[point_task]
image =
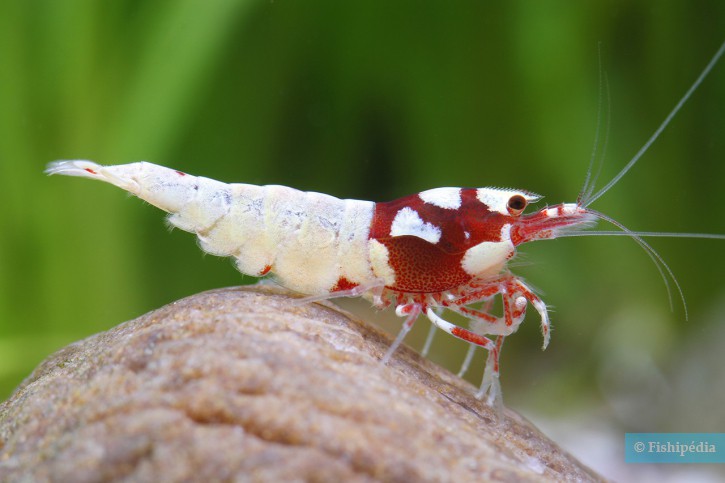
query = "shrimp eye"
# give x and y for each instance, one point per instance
(516, 205)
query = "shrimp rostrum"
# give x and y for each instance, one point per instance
(444, 250)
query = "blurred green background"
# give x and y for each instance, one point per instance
(374, 100)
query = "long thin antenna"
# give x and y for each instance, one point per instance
(713, 236)
(659, 130)
(595, 149)
(661, 265)
(586, 195)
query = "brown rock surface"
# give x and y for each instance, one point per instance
(242, 384)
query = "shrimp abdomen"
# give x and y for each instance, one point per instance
(313, 243)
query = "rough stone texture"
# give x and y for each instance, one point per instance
(244, 384)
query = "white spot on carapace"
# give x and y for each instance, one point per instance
(488, 258)
(380, 262)
(497, 199)
(408, 222)
(448, 198)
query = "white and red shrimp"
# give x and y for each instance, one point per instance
(441, 249)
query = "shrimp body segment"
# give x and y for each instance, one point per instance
(441, 249)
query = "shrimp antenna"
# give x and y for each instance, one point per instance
(596, 158)
(661, 128)
(659, 262)
(637, 236)
(642, 234)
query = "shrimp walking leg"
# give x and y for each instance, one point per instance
(472, 347)
(411, 313)
(490, 385)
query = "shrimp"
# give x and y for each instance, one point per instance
(441, 249)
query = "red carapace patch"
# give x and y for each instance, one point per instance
(265, 270)
(421, 266)
(90, 171)
(180, 173)
(461, 228)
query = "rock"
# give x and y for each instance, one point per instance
(245, 384)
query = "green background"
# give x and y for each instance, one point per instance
(376, 100)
